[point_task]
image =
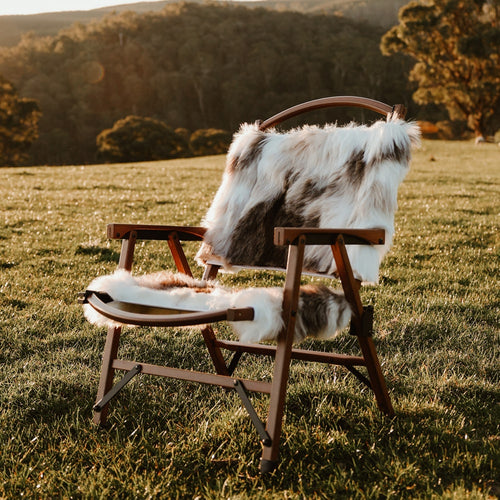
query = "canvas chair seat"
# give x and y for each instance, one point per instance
(318, 200)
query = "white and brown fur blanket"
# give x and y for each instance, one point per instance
(322, 311)
(331, 177)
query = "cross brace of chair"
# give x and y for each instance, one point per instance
(359, 376)
(117, 388)
(365, 329)
(257, 422)
(238, 386)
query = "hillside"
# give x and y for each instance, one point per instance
(382, 13)
(378, 12)
(13, 27)
(192, 66)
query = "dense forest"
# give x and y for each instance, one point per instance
(378, 12)
(192, 66)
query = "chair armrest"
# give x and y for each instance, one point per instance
(321, 236)
(154, 232)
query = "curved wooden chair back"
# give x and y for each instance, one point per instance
(333, 102)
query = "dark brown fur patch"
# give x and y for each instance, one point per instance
(251, 157)
(396, 154)
(252, 241)
(167, 280)
(356, 167)
(314, 305)
(313, 308)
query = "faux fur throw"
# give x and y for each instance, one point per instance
(322, 311)
(330, 177)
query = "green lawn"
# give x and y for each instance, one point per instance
(437, 317)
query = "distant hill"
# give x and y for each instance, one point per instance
(382, 13)
(13, 27)
(378, 12)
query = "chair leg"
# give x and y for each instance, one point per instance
(377, 379)
(214, 350)
(283, 356)
(107, 372)
(281, 372)
(351, 288)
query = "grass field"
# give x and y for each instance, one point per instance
(437, 317)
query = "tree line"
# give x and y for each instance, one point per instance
(379, 12)
(188, 75)
(191, 66)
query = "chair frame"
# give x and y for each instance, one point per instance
(283, 352)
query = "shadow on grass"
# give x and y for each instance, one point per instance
(102, 254)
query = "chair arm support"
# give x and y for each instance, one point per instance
(154, 232)
(321, 236)
(127, 314)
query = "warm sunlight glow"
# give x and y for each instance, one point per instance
(38, 6)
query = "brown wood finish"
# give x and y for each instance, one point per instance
(283, 352)
(113, 337)
(298, 354)
(350, 285)
(193, 376)
(178, 254)
(117, 312)
(154, 232)
(351, 288)
(322, 236)
(328, 102)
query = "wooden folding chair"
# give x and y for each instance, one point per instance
(296, 239)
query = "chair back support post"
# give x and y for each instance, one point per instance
(210, 272)
(181, 262)
(127, 251)
(350, 285)
(399, 110)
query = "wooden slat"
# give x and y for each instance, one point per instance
(299, 354)
(327, 236)
(155, 232)
(193, 376)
